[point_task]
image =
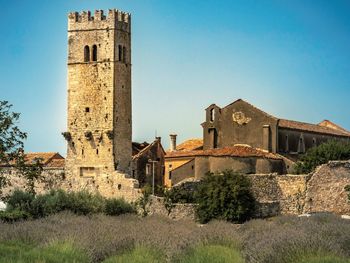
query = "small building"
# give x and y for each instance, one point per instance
(146, 159)
(245, 139)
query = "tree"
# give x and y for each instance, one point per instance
(328, 151)
(11, 149)
(225, 196)
(11, 139)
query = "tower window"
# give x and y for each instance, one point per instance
(212, 114)
(94, 53)
(120, 51)
(96, 151)
(87, 109)
(124, 54)
(86, 54)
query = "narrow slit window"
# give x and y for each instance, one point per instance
(212, 114)
(124, 54)
(94, 53)
(86, 54)
(120, 50)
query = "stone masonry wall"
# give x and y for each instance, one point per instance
(114, 185)
(325, 189)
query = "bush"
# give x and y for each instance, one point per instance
(224, 196)
(182, 194)
(50, 203)
(81, 203)
(84, 203)
(19, 200)
(329, 151)
(13, 216)
(115, 207)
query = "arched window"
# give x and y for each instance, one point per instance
(86, 54)
(94, 53)
(124, 54)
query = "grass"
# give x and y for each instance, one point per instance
(212, 254)
(15, 252)
(138, 255)
(66, 237)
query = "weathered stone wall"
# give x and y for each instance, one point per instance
(52, 178)
(279, 194)
(325, 189)
(179, 211)
(114, 185)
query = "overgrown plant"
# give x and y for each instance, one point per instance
(328, 151)
(144, 201)
(168, 201)
(226, 196)
(347, 188)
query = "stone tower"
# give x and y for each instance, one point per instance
(99, 94)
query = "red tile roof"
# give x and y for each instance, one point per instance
(234, 151)
(332, 125)
(48, 159)
(190, 145)
(302, 126)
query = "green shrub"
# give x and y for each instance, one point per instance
(84, 203)
(182, 194)
(13, 216)
(50, 203)
(115, 207)
(224, 196)
(19, 200)
(331, 150)
(138, 255)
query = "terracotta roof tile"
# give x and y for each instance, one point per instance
(190, 145)
(296, 125)
(332, 125)
(234, 151)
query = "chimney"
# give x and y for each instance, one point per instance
(266, 138)
(173, 142)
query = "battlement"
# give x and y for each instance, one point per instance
(113, 14)
(85, 19)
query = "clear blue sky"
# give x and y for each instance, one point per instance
(290, 58)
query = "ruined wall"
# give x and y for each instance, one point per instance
(52, 178)
(325, 189)
(279, 194)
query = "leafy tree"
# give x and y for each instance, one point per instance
(11, 139)
(225, 196)
(328, 151)
(11, 149)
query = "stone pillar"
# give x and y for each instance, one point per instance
(266, 138)
(173, 142)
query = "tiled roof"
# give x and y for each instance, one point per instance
(48, 159)
(332, 125)
(56, 163)
(144, 147)
(234, 151)
(137, 147)
(296, 125)
(45, 157)
(190, 145)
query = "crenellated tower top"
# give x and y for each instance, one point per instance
(115, 19)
